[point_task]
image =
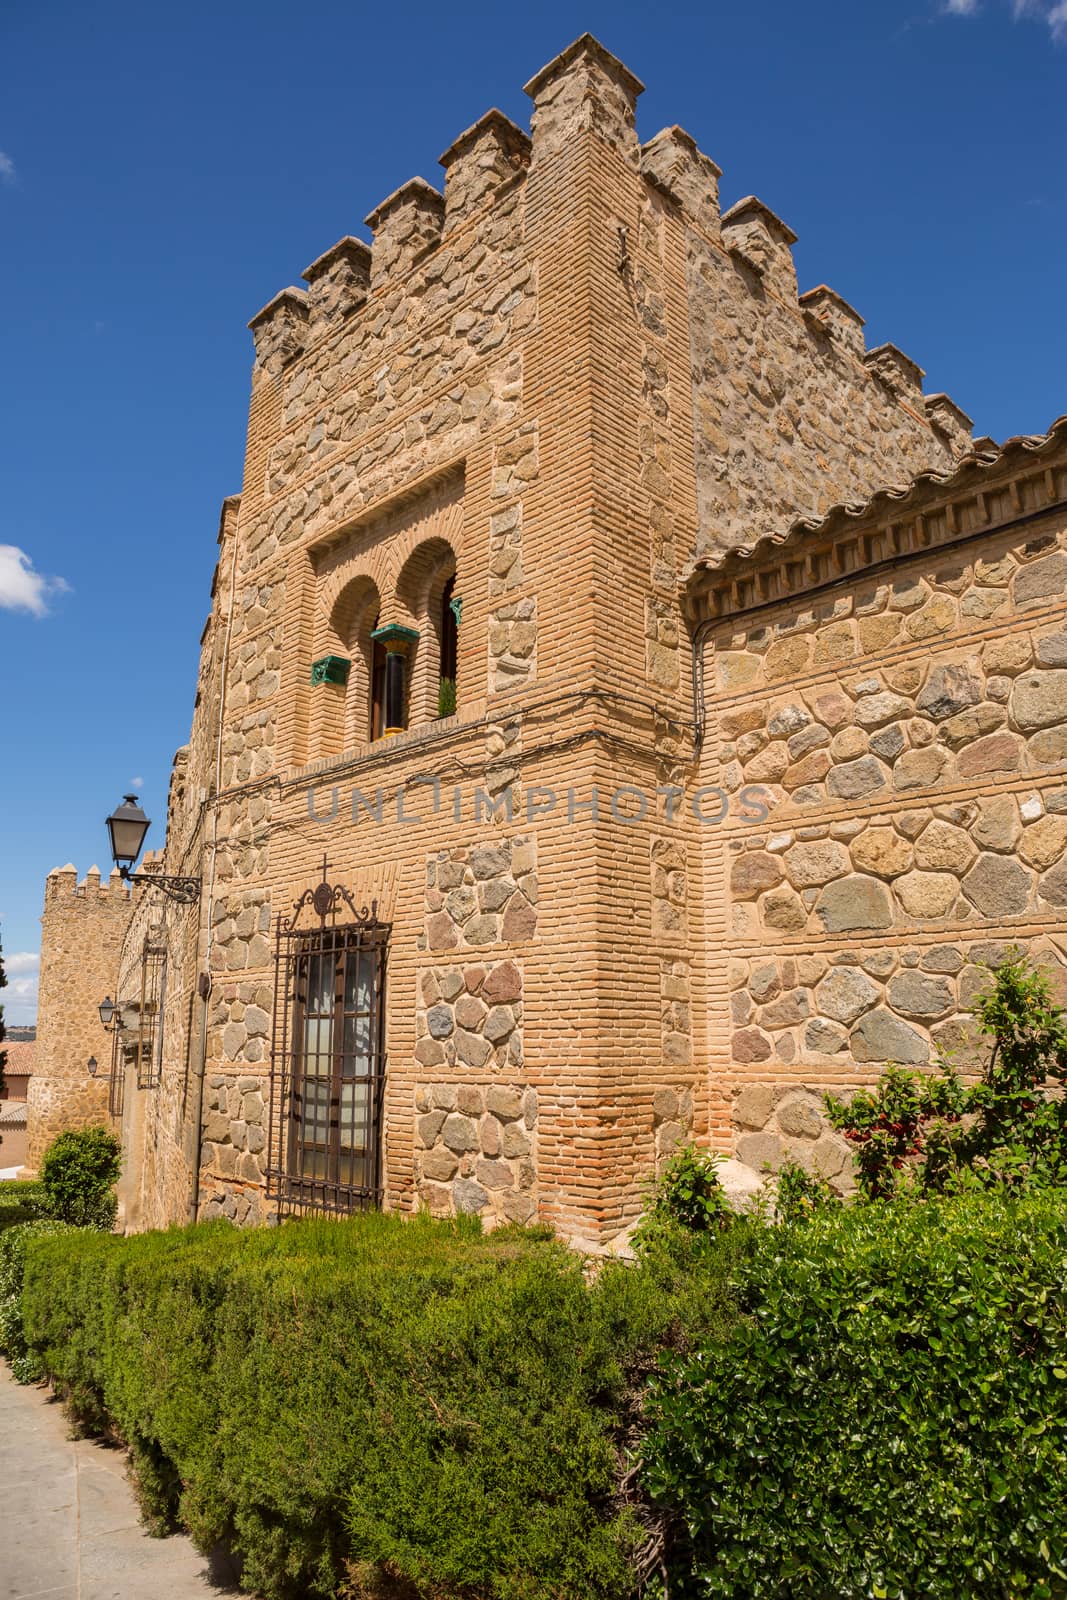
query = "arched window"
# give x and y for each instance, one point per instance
(425, 592)
(448, 635)
(377, 686)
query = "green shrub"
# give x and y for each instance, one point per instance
(379, 1401)
(79, 1171)
(798, 1194)
(21, 1200)
(686, 1198)
(891, 1419)
(25, 1365)
(929, 1129)
(894, 1126)
(21, 1191)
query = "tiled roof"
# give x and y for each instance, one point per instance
(987, 457)
(21, 1054)
(12, 1113)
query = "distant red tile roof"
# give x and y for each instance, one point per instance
(20, 1056)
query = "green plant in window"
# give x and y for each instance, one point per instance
(446, 697)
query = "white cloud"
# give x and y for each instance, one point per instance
(22, 588)
(19, 1000)
(1057, 21)
(1051, 12)
(7, 169)
(136, 783)
(21, 961)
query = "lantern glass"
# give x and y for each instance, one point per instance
(107, 1009)
(127, 826)
(91, 1064)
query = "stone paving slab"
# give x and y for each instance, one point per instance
(69, 1526)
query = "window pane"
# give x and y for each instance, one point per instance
(355, 1116)
(334, 1139)
(357, 1047)
(358, 977)
(315, 1111)
(318, 1042)
(320, 987)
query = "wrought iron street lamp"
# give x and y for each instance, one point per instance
(127, 826)
(107, 1009)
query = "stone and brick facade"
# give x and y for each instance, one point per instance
(759, 745)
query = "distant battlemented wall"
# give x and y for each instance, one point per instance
(82, 930)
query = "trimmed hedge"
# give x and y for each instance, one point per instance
(405, 1406)
(21, 1200)
(26, 1366)
(891, 1421)
(868, 1402)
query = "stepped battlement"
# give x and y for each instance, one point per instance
(583, 89)
(62, 883)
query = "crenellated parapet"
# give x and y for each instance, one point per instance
(338, 283)
(759, 238)
(407, 223)
(674, 163)
(490, 152)
(763, 356)
(584, 88)
(831, 314)
(82, 929)
(62, 884)
(280, 331)
(898, 372)
(952, 422)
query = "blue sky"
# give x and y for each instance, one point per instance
(165, 169)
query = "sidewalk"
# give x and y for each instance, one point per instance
(69, 1528)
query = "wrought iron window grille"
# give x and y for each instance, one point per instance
(327, 1055)
(116, 1089)
(150, 1016)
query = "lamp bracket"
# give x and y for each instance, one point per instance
(186, 891)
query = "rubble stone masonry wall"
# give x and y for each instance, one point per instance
(908, 732)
